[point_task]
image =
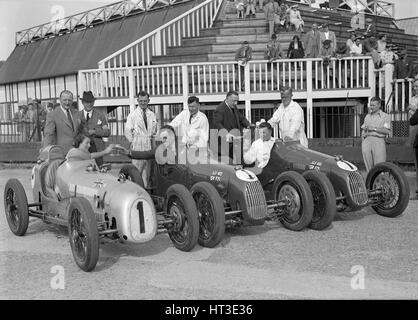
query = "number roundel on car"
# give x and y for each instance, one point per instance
(245, 175)
(345, 165)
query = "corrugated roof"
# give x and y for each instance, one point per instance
(75, 51)
(409, 24)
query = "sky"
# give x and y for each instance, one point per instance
(16, 15)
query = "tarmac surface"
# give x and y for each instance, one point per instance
(361, 256)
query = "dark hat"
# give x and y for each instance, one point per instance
(325, 25)
(88, 96)
(326, 41)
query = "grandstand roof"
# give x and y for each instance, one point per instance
(409, 24)
(69, 53)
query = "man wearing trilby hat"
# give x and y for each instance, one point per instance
(94, 123)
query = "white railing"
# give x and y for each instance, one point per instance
(156, 43)
(89, 18)
(219, 77)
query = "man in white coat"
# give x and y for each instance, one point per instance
(140, 127)
(289, 117)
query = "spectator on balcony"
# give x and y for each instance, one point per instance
(261, 4)
(282, 18)
(326, 53)
(413, 127)
(239, 4)
(370, 48)
(326, 34)
(271, 9)
(352, 39)
(95, 124)
(140, 127)
(250, 5)
(312, 42)
(295, 18)
(242, 56)
(376, 127)
(403, 66)
(192, 125)
(289, 117)
(295, 50)
(356, 49)
(381, 43)
(273, 51)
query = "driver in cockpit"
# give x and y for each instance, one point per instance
(260, 149)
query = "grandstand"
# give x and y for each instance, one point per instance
(172, 49)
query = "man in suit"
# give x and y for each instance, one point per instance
(227, 116)
(328, 35)
(62, 123)
(95, 124)
(312, 42)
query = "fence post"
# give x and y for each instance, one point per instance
(309, 99)
(131, 84)
(372, 78)
(185, 85)
(247, 91)
(388, 87)
(157, 41)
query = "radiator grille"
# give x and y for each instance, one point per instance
(358, 188)
(256, 200)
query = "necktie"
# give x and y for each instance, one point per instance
(70, 119)
(88, 116)
(144, 116)
(190, 120)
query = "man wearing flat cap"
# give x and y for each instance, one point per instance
(326, 34)
(312, 42)
(94, 124)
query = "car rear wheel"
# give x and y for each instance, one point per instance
(83, 234)
(211, 213)
(323, 194)
(180, 206)
(394, 185)
(16, 207)
(291, 188)
(132, 173)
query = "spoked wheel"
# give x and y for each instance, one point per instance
(181, 207)
(211, 212)
(392, 182)
(323, 194)
(132, 173)
(291, 188)
(83, 234)
(16, 207)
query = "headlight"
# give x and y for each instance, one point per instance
(140, 219)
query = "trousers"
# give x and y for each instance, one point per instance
(374, 151)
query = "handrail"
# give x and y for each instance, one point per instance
(190, 23)
(89, 18)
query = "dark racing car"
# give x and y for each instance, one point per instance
(336, 184)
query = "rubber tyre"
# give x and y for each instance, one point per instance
(202, 192)
(81, 217)
(323, 194)
(14, 189)
(180, 203)
(294, 183)
(132, 173)
(401, 183)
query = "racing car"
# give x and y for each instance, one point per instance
(95, 204)
(336, 184)
(228, 195)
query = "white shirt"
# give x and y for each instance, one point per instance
(259, 152)
(291, 123)
(194, 133)
(356, 49)
(135, 130)
(90, 113)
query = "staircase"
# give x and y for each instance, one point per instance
(221, 41)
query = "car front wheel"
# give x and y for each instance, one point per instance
(16, 207)
(392, 182)
(323, 194)
(180, 207)
(292, 189)
(83, 233)
(211, 212)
